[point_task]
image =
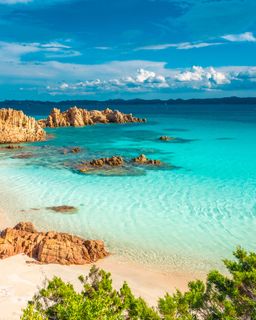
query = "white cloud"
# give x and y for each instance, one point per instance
(115, 76)
(14, 51)
(14, 1)
(180, 46)
(189, 45)
(103, 48)
(37, 2)
(247, 36)
(196, 78)
(199, 77)
(242, 37)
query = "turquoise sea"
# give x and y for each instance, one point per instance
(185, 216)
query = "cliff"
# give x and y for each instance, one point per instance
(16, 127)
(76, 117)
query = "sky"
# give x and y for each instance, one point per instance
(107, 49)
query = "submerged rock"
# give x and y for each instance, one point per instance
(12, 147)
(166, 138)
(76, 150)
(142, 159)
(27, 155)
(63, 209)
(71, 150)
(78, 117)
(49, 247)
(16, 127)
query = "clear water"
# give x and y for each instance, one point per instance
(188, 216)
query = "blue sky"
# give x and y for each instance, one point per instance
(101, 49)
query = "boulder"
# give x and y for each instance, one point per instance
(16, 127)
(49, 247)
(102, 163)
(76, 150)
(143, 160)
(166, 138)
(78, 117)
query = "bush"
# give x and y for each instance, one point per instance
(220, 298)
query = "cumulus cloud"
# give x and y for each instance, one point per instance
(33, 65)
(142, 81)
(196, 78)
(199, 77)
(246, 36)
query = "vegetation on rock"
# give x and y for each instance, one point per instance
(221, 297)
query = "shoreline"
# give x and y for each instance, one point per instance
(20, 280)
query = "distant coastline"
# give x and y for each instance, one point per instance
(30, 106)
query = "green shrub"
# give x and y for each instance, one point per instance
(219, 298)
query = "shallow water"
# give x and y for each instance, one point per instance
(188, 216)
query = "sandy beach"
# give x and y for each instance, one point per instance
(20, 280)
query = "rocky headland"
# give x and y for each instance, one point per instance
(16, 127)
(78, 117)
(49, 247)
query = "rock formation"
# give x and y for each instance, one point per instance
(76, 150)
(49, 247)
(166, 138)
(102, 163)
(12, 147)
(16, 127)
(77, 117)
(63, 209)
(142, 159)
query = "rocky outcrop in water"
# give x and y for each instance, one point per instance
(16, 127)
(12, 147)
(142, 159)
(49, 247)
(102, 163)
(166, 138)
(77, 117)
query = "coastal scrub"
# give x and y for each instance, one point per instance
(221, 297)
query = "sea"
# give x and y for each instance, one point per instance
(188, 214)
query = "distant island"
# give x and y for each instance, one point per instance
(29, 106)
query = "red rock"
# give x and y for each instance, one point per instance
(49, 247)
(142, 159)
(16, 127)
(102, 163)
(78, 117)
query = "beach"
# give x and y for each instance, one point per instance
(20, 280)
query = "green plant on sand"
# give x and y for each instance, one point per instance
(221, 297)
